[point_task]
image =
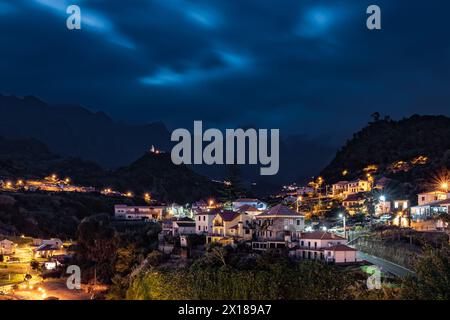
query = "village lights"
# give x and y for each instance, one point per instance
(444, 186)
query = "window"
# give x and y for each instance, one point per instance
(199, 229)
(199, 218)
(298, 222)
(204, 218)
(302, 243)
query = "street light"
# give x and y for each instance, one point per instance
(383, 200)
(342, 216)
(299, 198)
(444, 186)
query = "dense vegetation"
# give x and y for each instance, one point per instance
(222, 274)
(50, 215)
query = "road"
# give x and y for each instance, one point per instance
(386, 266)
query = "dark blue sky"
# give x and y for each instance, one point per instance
(307, 67)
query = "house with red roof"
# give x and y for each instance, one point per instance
(277, 227)
(229, 227)
(324, 246)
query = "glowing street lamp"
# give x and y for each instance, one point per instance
(342, 216)
(444, 186)
(299, 198)
(383, 200)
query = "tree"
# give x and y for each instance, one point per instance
(432, 279)
(375, 116)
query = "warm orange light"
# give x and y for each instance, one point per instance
(444, 185)
(345, 172)
(129, 194)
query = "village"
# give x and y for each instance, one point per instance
(320, 222)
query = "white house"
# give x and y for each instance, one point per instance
(6, 247)
(125, 212)
(430, 204)
(251, 202)
(183, 226)
(204, 221)
(324, 246)
(428, 197)
(345, 188)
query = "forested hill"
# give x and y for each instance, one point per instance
(410, 149)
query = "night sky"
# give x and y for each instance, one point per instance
(307, 67)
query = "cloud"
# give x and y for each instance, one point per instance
(90, 20)
(228, 63)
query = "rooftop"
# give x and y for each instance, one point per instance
(340, 247)
(246, 200)
(320, 235)
(279, 211)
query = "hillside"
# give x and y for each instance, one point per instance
(73, 131)
(413, 150)
(153, 173)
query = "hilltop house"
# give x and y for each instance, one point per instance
(125, 212)
(250, 202)
(345, 188)
(354, 203)
(324, 246)
(431, 204)
(277, 226)
(229, 227)
(7, 247)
